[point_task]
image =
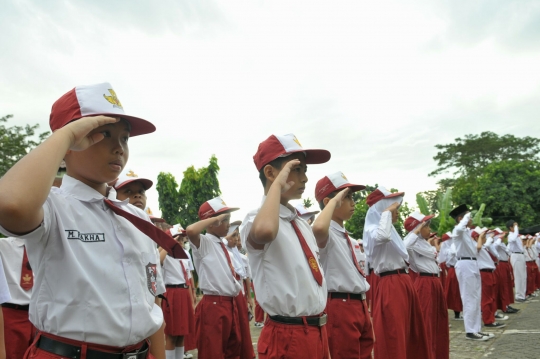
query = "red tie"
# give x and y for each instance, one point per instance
(27, 277)
(354, 256)
(235, 275)
(312, 262)
(185, 272)
(157, 235)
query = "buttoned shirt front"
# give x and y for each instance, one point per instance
(484, 260)
(339, 269)
(236, 260)
(95, 274)
(215, 276)
(172, 270)
(465, 244)
(422, 255)
(282, 277)
(12, 251)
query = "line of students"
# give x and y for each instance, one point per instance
(97, 278)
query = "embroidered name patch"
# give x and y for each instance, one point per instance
(85, 237)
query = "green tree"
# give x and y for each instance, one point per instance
(16, 142)
(469, 156)
(197, 187)
(169, 201)
(307, 202)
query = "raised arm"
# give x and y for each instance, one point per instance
(25, 187)
(321, 226)
(462, 225)
(266, 223)
(513, 236)
(194, 230)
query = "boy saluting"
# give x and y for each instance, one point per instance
(94, 262)
(283, 254)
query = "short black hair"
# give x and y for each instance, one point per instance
(462, 214)
(510, 224)
(277, 163)
(331, 195)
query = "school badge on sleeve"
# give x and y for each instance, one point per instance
(151, 278)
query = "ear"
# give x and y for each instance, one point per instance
(270, 173)
(325, 201)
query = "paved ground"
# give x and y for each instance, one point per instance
(520, 339)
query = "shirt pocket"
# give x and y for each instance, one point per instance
(151, 276)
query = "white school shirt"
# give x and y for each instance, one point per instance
(528, 255)
(236, 260)
(247, 267)
(336, 258)
(95, 274)
(422, 255)
(465, 245)
(172, 270)
(504, 253)
(514, 242)
(282, 277)
(215, 277)
(484, 259)
(385, 255)
(534, 252)
(11, 252)
(4, 290)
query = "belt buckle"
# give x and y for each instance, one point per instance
(363, 296)
(130, 355)
(322, 320)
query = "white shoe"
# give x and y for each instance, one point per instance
(476, 336)
(488, 335)
(259, 325)
(188, 356)
(499, 316)
(460, 318)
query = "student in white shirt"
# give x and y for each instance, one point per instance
(447, 255)
(397, 318)
(504, 274)
(423, 259)
(517, 260)
(350, 331)
(220, 329)
(130, 186)
(4, 298)
(283, 254)
(96, 275)
(177, 305)
(19, 331)
(468, 274)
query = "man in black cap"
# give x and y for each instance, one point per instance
(517, 259)
(467, 272)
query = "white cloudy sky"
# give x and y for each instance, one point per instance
(376, 83)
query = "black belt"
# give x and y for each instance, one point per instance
(487, 270)
(16, 306)
(517, 252)
(356, 296)
(185, 286)
(74, 352)
(504, 261)
(422, 274)
(313, 321)
(397, 271)
(466, 258)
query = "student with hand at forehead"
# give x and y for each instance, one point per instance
(94, 260)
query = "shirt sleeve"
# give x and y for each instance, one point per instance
(513, 236)
(462, 225)
(413, 243)
(5, 296)
(44, 228)
(383, 232)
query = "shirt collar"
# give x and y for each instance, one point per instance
(285, 212)
(337, 227)
(85, 193)
(19, 242)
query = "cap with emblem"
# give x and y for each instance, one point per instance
(94, 100)
(304, 212)
(381, 193)
(282, 146)
(214, 207)
(415, 219)
(128, 176)
(334, 182)
(177, 230)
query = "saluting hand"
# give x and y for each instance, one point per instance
(80, 134)
(341, 196)
(393, 207)
(220, 219)
(283, 175)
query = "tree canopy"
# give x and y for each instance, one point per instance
(470, 155)
(16, 142)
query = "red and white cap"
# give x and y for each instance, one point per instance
(128, 176)
(93, 100)
(213, 207)
(304, 212)
(334, 182)
(283, 146)
(477, 231)
(177, 230)
(381, 193)
(498, 231)
(415, 219)
(153, 218)
(446, 236)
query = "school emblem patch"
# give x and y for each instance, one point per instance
(113, 99)
(151, 278)
(313, 264)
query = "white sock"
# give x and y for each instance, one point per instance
(170, 354)
(179, 353)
